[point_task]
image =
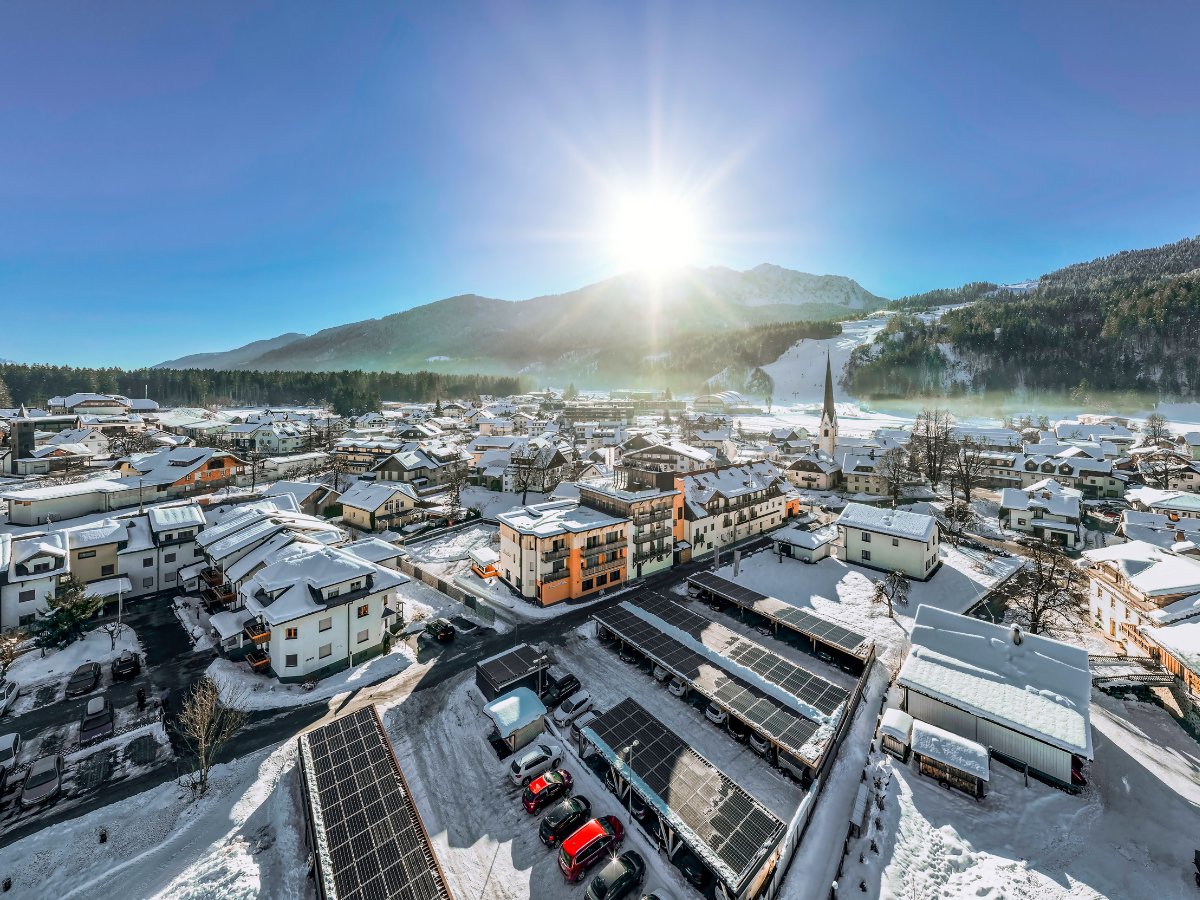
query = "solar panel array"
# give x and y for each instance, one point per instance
(508, 667)
(814, 690)
(794, 617)
(736, 827)
(374, 844)
(755, 707)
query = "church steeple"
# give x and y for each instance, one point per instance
(829, 428)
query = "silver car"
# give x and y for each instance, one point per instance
(43, 781)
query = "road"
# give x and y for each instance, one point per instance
(172, 664)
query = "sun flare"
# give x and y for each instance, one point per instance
(654, 232)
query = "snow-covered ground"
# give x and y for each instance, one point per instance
(492, 503)
(799, 374)
(190, 612)
(1131, 833)
(242, 840)
(245, 689)
(32, 668)
(844, 592)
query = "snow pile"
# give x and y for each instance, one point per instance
(96, 646)
(194, 618)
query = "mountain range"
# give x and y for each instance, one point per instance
(573, 335)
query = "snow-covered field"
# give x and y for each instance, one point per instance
(1130, 834)
(844, 592)
(243, 840)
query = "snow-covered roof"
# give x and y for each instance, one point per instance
(1151, 570)
(1046, 500)
(515, 710)
(1039, 687)
(108, 587)
(169, 518)
(62, 491)
(947, 747)
(1182, 639)
(806, 540)
(557, 517)
(894, 522)
(228, 623)
(897, 723)
(370, 495)
(374, 549)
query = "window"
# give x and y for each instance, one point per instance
(147, 562)
(147, 582)
(896, 543)
(41, 567)
(866, 536)
(587, 584)
(866, 554)
(325, 650)
(292, 633)
(355, 585)
(170, 577)
(364, 611)
(26, 596)
(86, 554)
(289, 661)
(27, 619)
(601, 579)
(364, 636)
(107, 570)
(169, 558)
(325, 624)
(197, 552)
(333, 592)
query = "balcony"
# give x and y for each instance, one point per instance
(658, 515)
(259, 660)
(597, 569)
(213, 577)
(551, 555)
(257, 632)
(559, 575)
(653, 534)
(652, 553)
(218, 596)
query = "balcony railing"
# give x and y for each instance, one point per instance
(557, 575)
(658, 515)
(258, 660)
(219, 595)
(213, 577)
(653, 534)
(617, 563)
(257, 632)
(552, 555)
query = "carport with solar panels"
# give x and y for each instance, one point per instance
(366, 837)
(850, 649)
(793, 726)
(696, 805)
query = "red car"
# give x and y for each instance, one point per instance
(546, 789)
(593, 842)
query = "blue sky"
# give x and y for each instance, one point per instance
(177, 177)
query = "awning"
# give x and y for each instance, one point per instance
(187, 573)
(227, 624)
(108, 587)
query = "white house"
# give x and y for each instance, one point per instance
(1046, 510)
(1025, 697)
(892, 540)
(726, 505)
(30, 569)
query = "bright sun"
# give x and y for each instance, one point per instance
(653, 232)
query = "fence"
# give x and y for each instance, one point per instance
(481, 610)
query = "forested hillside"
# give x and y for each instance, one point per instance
(1126, 322)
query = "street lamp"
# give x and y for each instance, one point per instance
(629, 752)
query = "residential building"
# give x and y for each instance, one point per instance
(1159, 529)
(814, 472)
(1174, 505)
(727, 505)
(655, 518)
(669, 456)
(891, 540)
(562, 550)
(268, 437)
(1046, 510)
(422, 466)
(379, 505)
(31, 569)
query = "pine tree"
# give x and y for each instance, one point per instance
(66, 616)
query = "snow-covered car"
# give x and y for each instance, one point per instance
(571, 708)
(661, 674)
(715, 714)
(759, 744)
(677, 687)
(583, 722)
(8, 695)
(97, 722)
(10, 749)
(43, 781)
(534, 760)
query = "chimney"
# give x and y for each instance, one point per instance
(1016, 634)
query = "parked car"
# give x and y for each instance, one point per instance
(588, 845)
(660, 674)
(43, 781)
(738, 730)
(84, 680)
(715, 714)
(659, 894)
(97, 722)
(563, 819)
(759, 744)
(127, 665)
(545, 789)
(629, 655)
(619, 878)
(8, 695)
(533, 761)
(10, 749)
(677, 687)
(440, 629)
(571, 708)
(583, 722)
(693, 870)
(637, 806)
(559, 689)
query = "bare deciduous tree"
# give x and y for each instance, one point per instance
(959, 517)
(892, 590)
(206, 724)
(896, 469)
(966, 461)
(129, 442)
(10, 643)
(931, 443)
(457, 475)
(1045, 590)
(1156, 431)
